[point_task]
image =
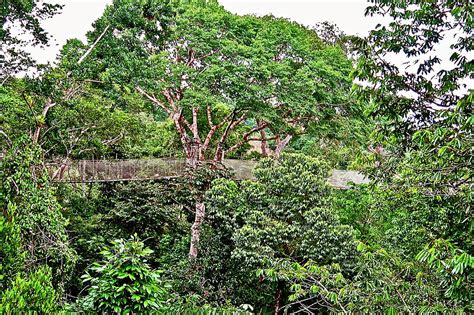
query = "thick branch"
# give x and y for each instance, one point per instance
(170, 99)
(246, 137)
(176, 110)
(209, 117)
(219, 155)
(264, 144)
(40, 126)
(282, 144)
(153, 99)
(194, 126)
(213, 129)
(230, 127)
(182, 133)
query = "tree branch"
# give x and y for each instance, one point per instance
(93, 45)
(282, 144)
(177, 118)
(262, 139)
(194, 125)
(153, 99)
(40, 126)
(246, 137)
(9, 142)
(209, 117)
(213, 129)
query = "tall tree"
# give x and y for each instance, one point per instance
(216, 74)
(425, 114)
(224, 80)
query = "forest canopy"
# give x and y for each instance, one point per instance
(191, 81)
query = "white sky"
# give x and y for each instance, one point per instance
(78, 15)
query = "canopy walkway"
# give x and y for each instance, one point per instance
(93, 171)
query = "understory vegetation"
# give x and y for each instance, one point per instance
(189, 80)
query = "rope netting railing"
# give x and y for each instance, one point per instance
(83, 171)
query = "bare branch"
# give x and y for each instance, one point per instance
(194, 126)
(262, 139)
(153, 99)
(177, 118)
(93, 45)
(282, 144)
(9, 142)
(209, 117)
(213, 129)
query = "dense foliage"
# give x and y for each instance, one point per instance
(123, 282)
(283, 215)
(188, 79)
(423, 141)
(35, 294)
(32, 214)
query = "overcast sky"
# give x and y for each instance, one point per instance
(78, 15)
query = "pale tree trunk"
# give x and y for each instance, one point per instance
(193, 148)
(193, 161)
(194, 155)
(196, 227)
(263, 144)
(200, 207)
(281, 144)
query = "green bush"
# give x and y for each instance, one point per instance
(453, 266)
(123, 281)
(32, 295)
(11, 254)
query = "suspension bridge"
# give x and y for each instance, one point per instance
(96, 171)
(86, 171)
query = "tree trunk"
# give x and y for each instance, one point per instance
(263, 144)
(278, 298)
(219, 156)
(193, 155)
(193, 162)
(281, 145)
(40, 125)
(196, 227)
